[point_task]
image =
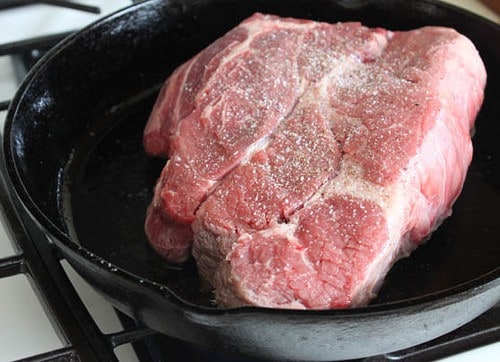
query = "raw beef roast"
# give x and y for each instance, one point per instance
(305, 158)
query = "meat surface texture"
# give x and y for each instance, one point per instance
(305, 158)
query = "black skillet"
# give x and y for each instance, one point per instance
(73, 152)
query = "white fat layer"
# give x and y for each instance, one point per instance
(260, 145)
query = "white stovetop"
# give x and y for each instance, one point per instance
(24, 328)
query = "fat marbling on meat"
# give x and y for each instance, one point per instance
(305, 158)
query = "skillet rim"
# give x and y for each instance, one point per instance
(441, 297)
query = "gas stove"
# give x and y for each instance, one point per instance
(47, 312)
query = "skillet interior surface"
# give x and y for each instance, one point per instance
(74, 153)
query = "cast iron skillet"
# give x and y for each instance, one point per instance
(73, 151)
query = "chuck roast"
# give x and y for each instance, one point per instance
(305, 158)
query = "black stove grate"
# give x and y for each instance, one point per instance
(32, 49)
(82, 340)
(39, 261)
(9, 4)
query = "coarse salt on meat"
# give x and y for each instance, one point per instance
(305, 158)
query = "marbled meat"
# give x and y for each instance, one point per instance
(305, 158)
